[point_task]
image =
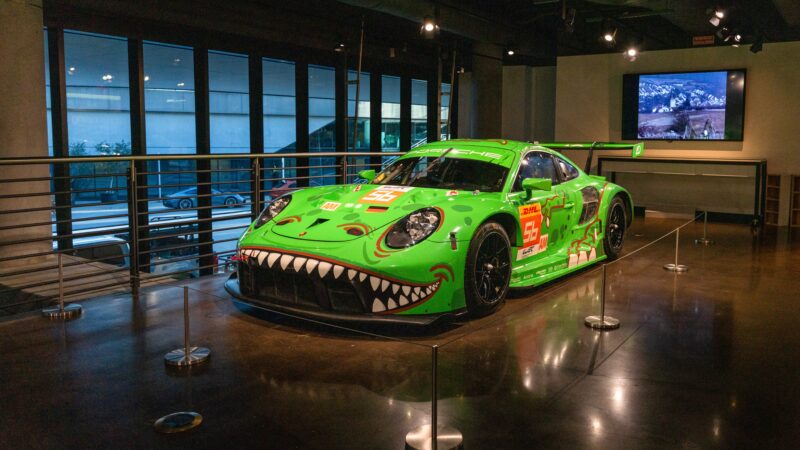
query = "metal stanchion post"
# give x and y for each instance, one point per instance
(188, 355)
(680, 268)
(704, 240)
(434, 436)
(602, 322)
(61, 311)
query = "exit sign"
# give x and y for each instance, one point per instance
(703, 40)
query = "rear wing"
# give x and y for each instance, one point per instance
(636, 149)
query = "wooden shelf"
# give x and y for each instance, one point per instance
(773, 197)
(794, 207)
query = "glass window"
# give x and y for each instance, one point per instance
(419, 112)
(535, 165)
(390, 113)
(362, 134)
(169, 99)
(444, 133)
(98, 124)
(322, 122)
(444, 173)
(362, 122)
(170, 129)
(47, 95)
(280, 123)
(229, 103)
(229, 107)
(565, 169)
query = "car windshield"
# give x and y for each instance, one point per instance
(447, 173)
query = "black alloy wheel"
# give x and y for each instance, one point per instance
(616, 224)
(488, 269)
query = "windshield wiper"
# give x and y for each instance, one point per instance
(430, 166)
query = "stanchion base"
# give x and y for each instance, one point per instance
(177, 357)
(447, 438)
(177, 422)
(703, 241)
(602, 323)
(69, 312)
(680, 268)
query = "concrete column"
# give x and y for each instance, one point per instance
(529, 95)
(481, 95)
(23, 124)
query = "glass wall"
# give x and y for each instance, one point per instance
(280, 125)
(444, 133)
(47, 96)
(322, 122)
(98, 124)
(229, 108)
(361, 123)
(170, 129)
(390, 116)
(419, 112)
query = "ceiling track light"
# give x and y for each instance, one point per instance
(429, 28)
(715, 16)
(608, 35)
(631, 54)
(511, 50)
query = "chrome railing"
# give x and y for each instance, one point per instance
(121, 222)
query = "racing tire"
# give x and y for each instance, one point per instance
(230, 202)
(185, 204)
(488, 269)
(616, 225)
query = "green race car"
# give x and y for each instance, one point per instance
(446, 229)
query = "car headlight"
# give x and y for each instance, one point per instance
(413, 228)
(273, 209)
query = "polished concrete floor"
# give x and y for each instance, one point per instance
(706, 359)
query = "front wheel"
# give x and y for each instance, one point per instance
(616, 223)
(230, 202)
(488, 269)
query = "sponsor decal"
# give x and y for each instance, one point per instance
(530, 220)
(330, 206)
(358, 187)
(534, 249)
(452, 193)
(385, 195)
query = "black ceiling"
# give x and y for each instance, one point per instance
(535, 28)
(538, 30)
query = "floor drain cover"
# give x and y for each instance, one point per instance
(177, 422)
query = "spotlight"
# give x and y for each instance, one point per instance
(609, 36)
(716, 16)
(108, 78)
(429, 28)
(147, 78)
(631, 54)
(339, 47)
(510, 51)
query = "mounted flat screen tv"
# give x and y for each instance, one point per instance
(687, 106)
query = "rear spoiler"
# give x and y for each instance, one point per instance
(636, 149)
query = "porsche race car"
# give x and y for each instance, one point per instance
(446, 229)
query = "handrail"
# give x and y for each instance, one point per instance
(187, 157)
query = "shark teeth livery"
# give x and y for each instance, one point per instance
(387, 295)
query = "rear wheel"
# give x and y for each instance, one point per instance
(488, 269)
(230, 202)
(616, 223)
(185, 204)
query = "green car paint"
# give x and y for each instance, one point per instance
(338, 233)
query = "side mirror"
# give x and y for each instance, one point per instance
(368, 175)
(537, 184)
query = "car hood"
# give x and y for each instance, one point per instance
(348, 212)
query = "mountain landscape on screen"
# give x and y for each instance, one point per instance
(682, 106)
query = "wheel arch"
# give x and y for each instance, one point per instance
(508, 222)
(626, 198)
